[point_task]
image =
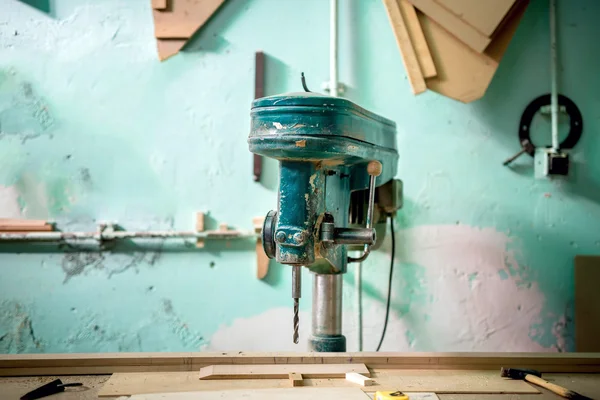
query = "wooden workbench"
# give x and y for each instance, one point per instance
(21, 373)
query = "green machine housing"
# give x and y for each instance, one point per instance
(336, 188)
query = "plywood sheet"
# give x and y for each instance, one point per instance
(126, 384)
(587, 303)
(462, 73)
(417, 38)
(485, 16)
(453, 24)
(263, 394)
(409, 56)
(281, 371)
(182, 18)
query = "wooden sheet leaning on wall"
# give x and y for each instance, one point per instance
(462, 73)
(587, 303)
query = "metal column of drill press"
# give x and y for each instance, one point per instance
(336, 188)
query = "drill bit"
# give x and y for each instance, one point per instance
(296, 294)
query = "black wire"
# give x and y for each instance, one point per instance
(389, 293)
(304, 83)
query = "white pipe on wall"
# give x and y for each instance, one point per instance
(554, 76)
(333, 57)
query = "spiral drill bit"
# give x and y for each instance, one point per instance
(296, 294)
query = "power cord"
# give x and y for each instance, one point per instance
(389, 293)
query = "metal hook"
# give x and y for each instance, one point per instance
(304, 83)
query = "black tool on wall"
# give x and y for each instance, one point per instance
(558, 164)
(56, 386)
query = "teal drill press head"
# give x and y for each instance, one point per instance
(330, 150)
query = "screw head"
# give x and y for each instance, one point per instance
(299, 237)
(280, 237)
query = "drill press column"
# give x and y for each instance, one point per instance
(327, 314)
(329, 197)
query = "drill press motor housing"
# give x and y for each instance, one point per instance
(336, 190)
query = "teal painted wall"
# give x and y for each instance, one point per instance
(93, 128)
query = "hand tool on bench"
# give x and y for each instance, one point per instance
(56, 386)
(337, 189)
(535, 377)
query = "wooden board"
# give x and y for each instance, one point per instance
(405, 380)
(24, 225)
(453, 24)
(409, 56)
(263, 394)
(417, 38)
(183, 18)
(464, 74)
(295, 379)
(485, 16)
(267, 371)
(108, 363)
(587, 303)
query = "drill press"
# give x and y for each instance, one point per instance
(336, 190)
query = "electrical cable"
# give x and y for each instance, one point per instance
(389, 293)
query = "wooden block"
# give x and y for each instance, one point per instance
(262, 394)
(453, 24)
(409, 57)
(417, 38)
(26, 222)
(587, 303)
(26, 228)
(463, 74)
(359, 379)
(24, 225)
(296, 379)
(200, 228)
(274, 371)
(183, 18)
(159, 4)
(485, 16)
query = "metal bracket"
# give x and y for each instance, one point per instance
(326, 86)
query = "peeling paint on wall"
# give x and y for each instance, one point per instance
(80, 263)
(22, 112)
(17, 334)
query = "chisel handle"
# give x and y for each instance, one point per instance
(559, 390)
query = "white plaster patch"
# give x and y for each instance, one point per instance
(268, 331)
(472, 296)
(9, 202)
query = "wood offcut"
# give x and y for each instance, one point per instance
(281, 371)
(176, 21)
(296, 379)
